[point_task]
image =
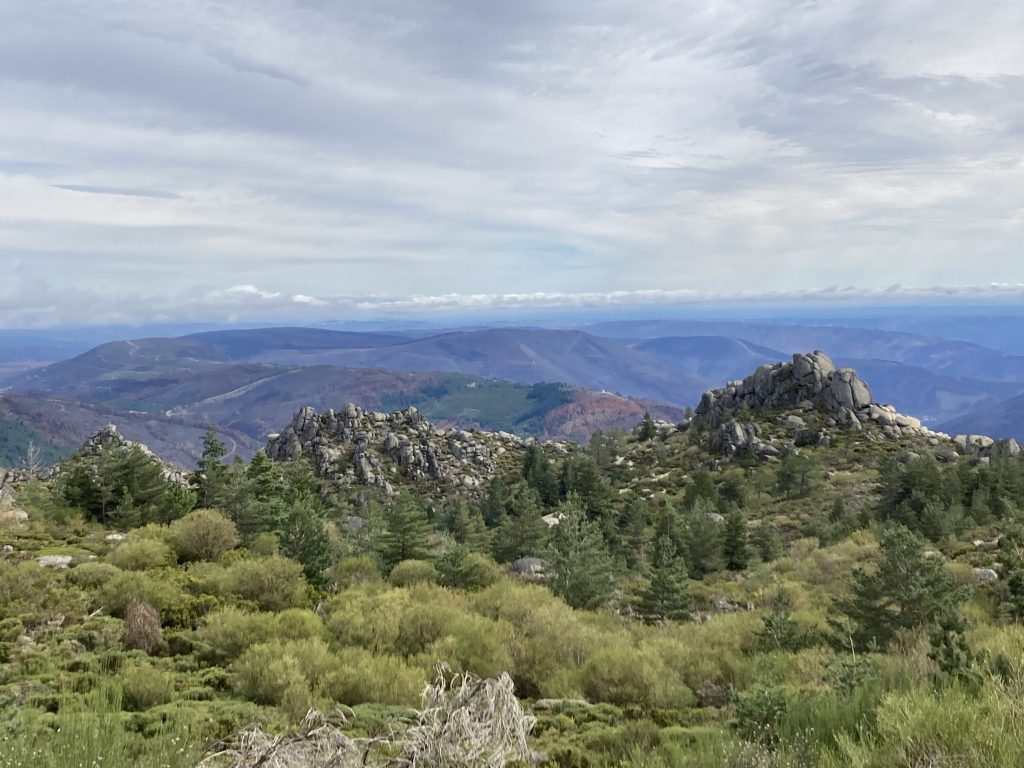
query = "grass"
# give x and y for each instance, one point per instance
(92, 732)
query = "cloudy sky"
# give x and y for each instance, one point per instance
(191, 159)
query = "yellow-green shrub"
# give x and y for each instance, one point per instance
(203, 534)
(230, 631)
(274, 583)
(141, 555)
(409, 572)
(144, 687)
(363, 678)
(624, 675)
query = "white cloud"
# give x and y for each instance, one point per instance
(450, 148)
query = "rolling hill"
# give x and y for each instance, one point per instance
(253, 379)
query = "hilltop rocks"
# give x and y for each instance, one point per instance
(353, 446)
(810, 381)
(109, 437)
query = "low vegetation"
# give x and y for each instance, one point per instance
(855, 605)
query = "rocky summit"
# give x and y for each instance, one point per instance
(812, 383)
(109, 438)
(353, 446)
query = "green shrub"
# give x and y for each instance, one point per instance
(92, 575)
(474, 644)
(352, 571)
(230, 631)
(624, 675)
(140, 587)
(203, 534)
(264, 544)
(141, 555)
(263, 675)
(274, 583)
(368, 617)
(362, 678)
(461, 568)
(144, 687)
(409, 572)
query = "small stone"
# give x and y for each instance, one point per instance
(55, 561)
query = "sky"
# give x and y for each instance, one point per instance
(192, 160)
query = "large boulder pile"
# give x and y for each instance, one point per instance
(811, 382)
(353, 446)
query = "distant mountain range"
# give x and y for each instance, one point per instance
(253, 380)
(165, 384)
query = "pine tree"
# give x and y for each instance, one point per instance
(580, 561)
(734, 542)
(211, 477)
(523, 531)
(906, 591)
(495, 504)
(648, 430)
(767, 542)
(406, 533)
(633, 533)
(703, 541)
(304, 539)
(951, 652)
(467, 527)
(667, 597)
(538, 474)
(581, 476)
(779, 632)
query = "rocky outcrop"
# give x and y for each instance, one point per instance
(809, 382)
(812, 383)
(109, 437)
(357, 447)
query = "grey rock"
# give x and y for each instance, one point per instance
(529, 569)
(354, 446)
(985, 576)
(55, 561)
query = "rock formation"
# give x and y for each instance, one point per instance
(812, 383)
(109, 437)
(353, 446)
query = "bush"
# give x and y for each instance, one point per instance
(270, 673)
(204, 534)
(367, 617)
(274, 583)
(145, 687)
(460, 568)
(550, 642)
(409, 572)
(142, 628)
(141, 555)
(362, 678)
(230, 631)
(134, 587)
(625, 675)
(352, 571)
(93, 575)
(264, 544)
(263, 675)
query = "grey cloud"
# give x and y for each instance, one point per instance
(119, 191)
(455, 148)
